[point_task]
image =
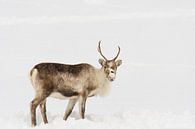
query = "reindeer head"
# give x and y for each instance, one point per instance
(109, 66)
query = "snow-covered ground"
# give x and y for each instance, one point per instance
(155, 85)
(120, 120)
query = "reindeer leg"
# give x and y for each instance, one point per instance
(70, 107)
(34, 103)
(82, 103)
(43, 111)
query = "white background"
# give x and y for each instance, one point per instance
(157, 48)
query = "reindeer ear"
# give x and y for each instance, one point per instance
(118, 62)
(102, 62)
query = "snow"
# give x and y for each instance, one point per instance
(121, 120)
(154, 87)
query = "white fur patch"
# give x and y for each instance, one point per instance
(112, 75)
(105, 89)
(33, 77)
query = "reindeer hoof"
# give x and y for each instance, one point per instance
(33, 125)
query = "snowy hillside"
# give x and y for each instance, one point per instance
(155, 85)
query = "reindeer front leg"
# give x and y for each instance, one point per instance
(70, 107)
(82, 103)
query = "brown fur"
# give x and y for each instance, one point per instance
(55, 68)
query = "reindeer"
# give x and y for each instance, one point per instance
(73, 82)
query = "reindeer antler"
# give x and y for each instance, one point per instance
(100, 51)
(119, 49)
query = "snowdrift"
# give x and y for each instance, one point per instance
(120, 120)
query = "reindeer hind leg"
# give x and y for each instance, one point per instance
(38, 100)
(34, 103)
(43, 111)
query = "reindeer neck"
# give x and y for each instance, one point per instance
(103, 83)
